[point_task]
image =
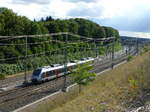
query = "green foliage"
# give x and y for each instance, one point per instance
(133, 83)
(82, 74)
(130, 58)
(118, 46)
(2, 76)
(146, 48)
(8, 69)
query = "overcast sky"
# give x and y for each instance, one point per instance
(125, 15)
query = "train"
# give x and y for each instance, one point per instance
(47, 73)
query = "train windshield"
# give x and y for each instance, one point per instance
(37, 72)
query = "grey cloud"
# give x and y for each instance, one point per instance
(137, 22)
(85, 12)
(30, 1)
(80, 0)
(131, 23)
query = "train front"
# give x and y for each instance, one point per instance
(36, 76)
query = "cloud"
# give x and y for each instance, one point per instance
(30, 1)
(131, 15)
(59, 8)
(136, 19)
(79, 1)
(135, 34)
(141, 24)
(86, 10)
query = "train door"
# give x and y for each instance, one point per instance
(43, 76)
(57, 73)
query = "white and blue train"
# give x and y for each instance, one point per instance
(54, 71)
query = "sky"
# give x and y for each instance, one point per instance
(124, 15)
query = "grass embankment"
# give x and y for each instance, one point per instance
(112, 91)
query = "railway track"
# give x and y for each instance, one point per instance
(23, 96)
(17, 79)
(18, 97)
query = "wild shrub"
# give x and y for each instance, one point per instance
(82, 75)
(2, 76)
(129, 58)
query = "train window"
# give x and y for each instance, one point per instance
(43, 75)
(47, 74)
(50, 73)
(37, 72)
(63, 70)
(53, 72)
(57, 71)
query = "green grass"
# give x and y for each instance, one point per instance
(114, 90)
(2, 77)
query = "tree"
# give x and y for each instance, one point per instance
(42, 19)
(49, 18)
(63, 25)
(82, 75)
(100, 33)
(35, 28)
(52, 27)
(2, 9)
(72, 26)
(110, 32)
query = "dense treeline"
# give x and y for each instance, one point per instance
(11, 24)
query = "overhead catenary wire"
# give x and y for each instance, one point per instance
(3, 38)
(95, 39)
(36, 43)
(42, 53)
(34, 36)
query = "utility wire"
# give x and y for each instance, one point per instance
(36, 43)
(3, 38)
(41, 35)
(96, 39)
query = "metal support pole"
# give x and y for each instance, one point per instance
(26, 53)
(112, 58)
(129, 53)
(106, 50)
(95, 48)
(137, 46)
(65, 64)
